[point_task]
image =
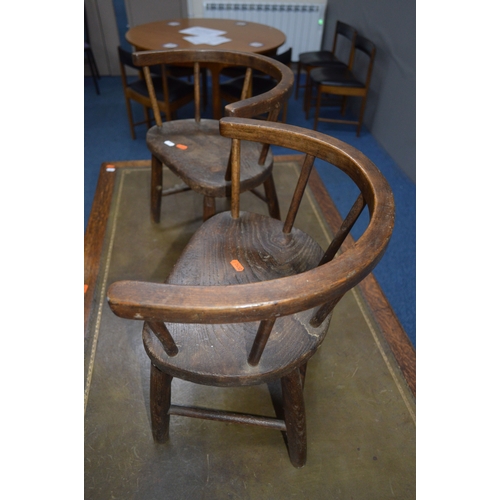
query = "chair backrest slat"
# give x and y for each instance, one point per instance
(350, 34)
(345, 229)
(299, 192)
(260, 341)
(245, 91)
(197, 92)
(235, 178)
(152, 95)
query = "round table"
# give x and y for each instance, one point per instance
(243, 36)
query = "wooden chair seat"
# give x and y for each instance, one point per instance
(320, 57)
(207, 156)
(331, 75)
(218, 354)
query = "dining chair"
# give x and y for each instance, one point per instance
(344, 38)
(250, 299)
(172, 93)
(193, 148)
(345, 83)
(231, 89)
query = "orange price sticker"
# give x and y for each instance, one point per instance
(237, 266)
(181, 146)
(85, 288)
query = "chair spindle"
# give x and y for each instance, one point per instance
(332, 250)
(245, 91)
(235, 178)
(260, 341)
(299, 192)
(344, 230)
(197, 99)
(163, 335)
(152, 94)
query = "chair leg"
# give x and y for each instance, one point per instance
(299, 68)
(272, 198)
(344, 105)
(307, 94)
(159, 403)
(361, 114)
(93, 69)
(318, 103)
(147, 116)
(130, 117)
(156, 187)
(208, 207)
(295, 417)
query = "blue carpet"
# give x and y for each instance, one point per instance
(107, 138)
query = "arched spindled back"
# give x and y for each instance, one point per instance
(267, 300)
(247, 108)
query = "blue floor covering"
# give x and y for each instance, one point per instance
(107, 138)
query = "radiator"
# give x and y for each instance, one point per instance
(301, 23)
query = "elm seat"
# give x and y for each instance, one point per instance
(172, 93)
(204, 137)
(250, 299)
(314, 59)
(345, 83)
(203, 163)
(279, 255)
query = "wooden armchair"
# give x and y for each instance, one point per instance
(250, 299)
(193, 148)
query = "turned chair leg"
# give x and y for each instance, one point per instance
(295, 417)
(130, 117)
(159, 394)
(318, 104)
(361, 114)
(156, 187)
(272, 198)
(299, 67)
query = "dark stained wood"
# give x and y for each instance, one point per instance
(194, 149)
(164, 336)
(242, 300)
(156, 187)
(345, 228)
(227, 416)
(396, 337)
(94, 238)
(299, 192)
(260, 341)
(295, 417)
(160, 393)
(136, 90)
